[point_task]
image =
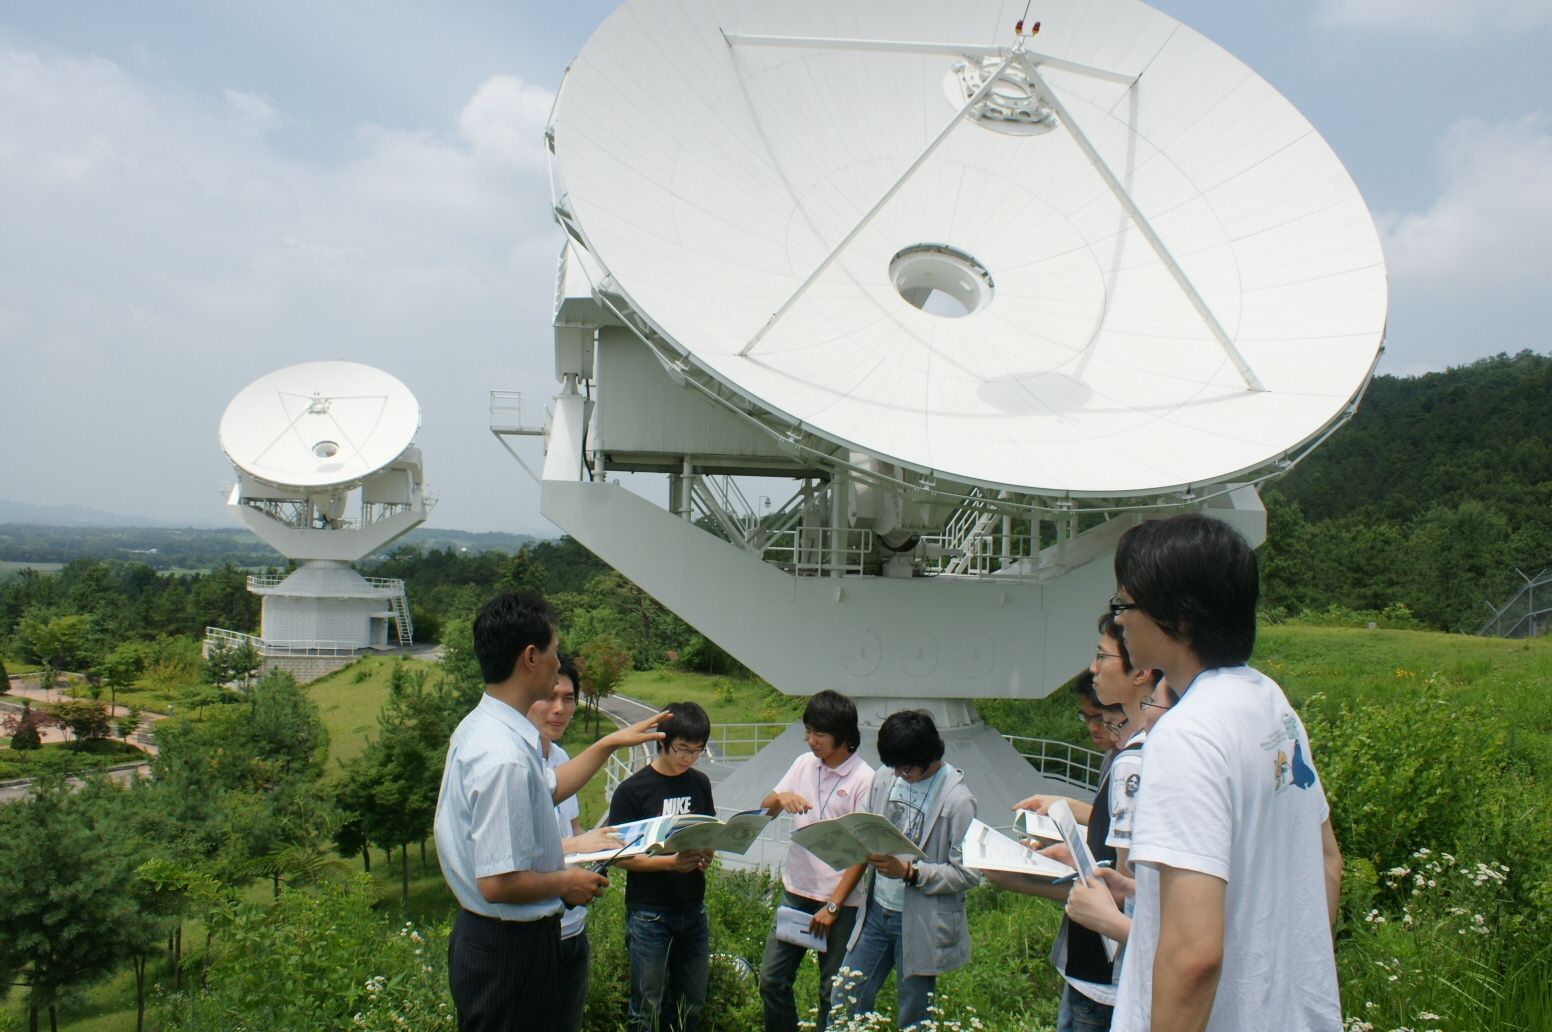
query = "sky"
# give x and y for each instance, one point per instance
(195, 194)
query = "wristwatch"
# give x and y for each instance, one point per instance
(910, 874)
(832, 908)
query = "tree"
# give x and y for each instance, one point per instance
(5, 678)
(390, 790)
(129, 723)
(216, 667)
(601, 664)
(120, 668)
(25, 731)
(60, 643)
(65, 919)
(246, 662)
(86, 718)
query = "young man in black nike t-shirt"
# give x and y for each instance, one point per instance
(666, 934)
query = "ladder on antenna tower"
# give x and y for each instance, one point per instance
(401, 619)
(964, 534)
(399, 603)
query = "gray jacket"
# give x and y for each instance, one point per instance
(933, 927)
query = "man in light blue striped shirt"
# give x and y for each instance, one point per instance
(497, 839)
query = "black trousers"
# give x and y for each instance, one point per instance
(505, 975)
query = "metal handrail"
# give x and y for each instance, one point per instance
(815, 550)
(1060, 761)
(288, 647)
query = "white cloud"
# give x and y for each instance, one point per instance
(162, 250)
(1469, 275)
(1436, 17)
(1492, 222)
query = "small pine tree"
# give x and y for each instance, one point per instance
(5, 678)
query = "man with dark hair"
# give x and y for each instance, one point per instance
(496, 834)
(552, 717)
(828, 781)
(1079, 951)
(1235, 858)
(1098, 719)
(914, 916)
(666, 933)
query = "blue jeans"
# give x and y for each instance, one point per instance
(670, 960)
(880, 948)
(1078, 1013)
(779, 968)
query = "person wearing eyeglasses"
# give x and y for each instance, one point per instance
(666, 933)
(828, 781)
(914, 916)
(1079, 951)
(1238, 871)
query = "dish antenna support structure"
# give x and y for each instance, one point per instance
(987, 304)
(311, 443)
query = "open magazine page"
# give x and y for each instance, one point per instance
(1039, 826)
(846, 841)
(736, 836)
(1078, 846)
(987, 849)
(636, 837)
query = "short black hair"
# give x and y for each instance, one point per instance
(1112, 630)
(1197, 578)
(568, 669)
(909, 739)
(1083, 688)
(831, 713)
(505, 626)
(687, 723)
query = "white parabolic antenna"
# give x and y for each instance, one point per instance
(319, 424)
(1162, 275)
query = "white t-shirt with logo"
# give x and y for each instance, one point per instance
(1231, 792)
(573, 919)
(1125, 785)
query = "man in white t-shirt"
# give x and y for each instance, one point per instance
(552, 716)
(1238, 872)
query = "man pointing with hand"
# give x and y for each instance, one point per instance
(497, 840)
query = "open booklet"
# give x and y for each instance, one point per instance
(846, 841)
(987, 849)
(657, 835)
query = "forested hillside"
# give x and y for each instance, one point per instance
(1426, 499)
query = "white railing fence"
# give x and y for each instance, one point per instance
(1060, 761)
(734, 743)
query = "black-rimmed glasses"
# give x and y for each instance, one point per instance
(1117, 607)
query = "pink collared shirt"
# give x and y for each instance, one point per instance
(833, 793)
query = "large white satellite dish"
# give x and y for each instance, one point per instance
(319, 424)
(1166, 278)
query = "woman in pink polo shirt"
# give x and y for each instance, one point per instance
(828, 781)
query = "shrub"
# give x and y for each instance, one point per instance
(318, 960)
(86, 718)
(1404, 775)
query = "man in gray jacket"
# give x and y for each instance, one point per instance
(914, 916)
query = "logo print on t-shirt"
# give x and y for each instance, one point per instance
(1280, 772)
(1133, 782)
(1303, 774)
(676, 806)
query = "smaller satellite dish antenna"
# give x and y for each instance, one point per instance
(308, 441)
(319, 424)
